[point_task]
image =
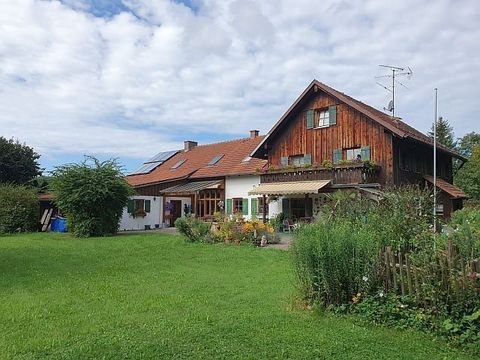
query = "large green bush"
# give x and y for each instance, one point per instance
(92, 194)
(19, 209)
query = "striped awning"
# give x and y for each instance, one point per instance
(289, 188)
(192, 187)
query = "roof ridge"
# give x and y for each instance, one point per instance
(229, 141)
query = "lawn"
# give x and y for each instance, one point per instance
(154, 296)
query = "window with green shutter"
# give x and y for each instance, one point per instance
(147, 205)
(254, 205)
(130, 206)
(337, 155)
(229, 206)
(310, 119)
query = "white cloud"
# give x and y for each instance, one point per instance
(131, 83)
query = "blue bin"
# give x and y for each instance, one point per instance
(58, 224)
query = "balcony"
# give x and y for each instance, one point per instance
(338, 174)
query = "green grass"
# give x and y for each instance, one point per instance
(153, 296)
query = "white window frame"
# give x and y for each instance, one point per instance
(322, 118)
(353, 153)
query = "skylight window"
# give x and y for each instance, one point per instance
(178, 164)
(216, 159)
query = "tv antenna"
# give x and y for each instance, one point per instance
(396, 72)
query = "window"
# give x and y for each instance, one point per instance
(178, 164)
(354, 154)
(322, 118)
(208, 202)
(138, 206)
(238, 205)
(216, 159)
(297, 160)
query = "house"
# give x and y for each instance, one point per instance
(328, 141)
(200, 179)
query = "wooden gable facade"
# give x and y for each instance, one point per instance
(329, 131)
(327, 135)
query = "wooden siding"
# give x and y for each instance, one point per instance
(413, 160)
(353, 130)
(154, 190)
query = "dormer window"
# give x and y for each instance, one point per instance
(178, 164)
(216, 159)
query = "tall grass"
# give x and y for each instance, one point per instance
(335, 262)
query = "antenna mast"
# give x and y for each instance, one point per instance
(396, 71)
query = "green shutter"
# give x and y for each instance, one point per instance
(337, 155)
(229, 206)
(130, 206)
(307, 159)
(332, 115)
(284, 160)
(245, 206)
(147, 205)
(309, 119)
(253, 206)
(365, 153)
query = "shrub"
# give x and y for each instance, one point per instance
(193, 229)
(92, 194)
(19, 210)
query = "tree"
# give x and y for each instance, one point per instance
(92, 194)
(465, 144)
(445, 134)
(468, 177)
(18, 162)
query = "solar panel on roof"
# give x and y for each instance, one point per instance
(155, 161)
(163, 156)
(216, 159)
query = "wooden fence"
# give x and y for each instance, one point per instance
(446, 274)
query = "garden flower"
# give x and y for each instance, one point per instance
(364, 278)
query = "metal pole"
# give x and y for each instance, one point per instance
(393, 92)
(435, 167)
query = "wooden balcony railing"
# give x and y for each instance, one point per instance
(341, 174)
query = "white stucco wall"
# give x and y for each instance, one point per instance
(239, 186)
(155, 215)
(184, 200)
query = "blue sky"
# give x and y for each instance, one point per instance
(130, 78)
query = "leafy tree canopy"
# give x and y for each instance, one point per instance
(445, 134)
(468, 177)
(465, 144)
(18, 162)
(92, 194)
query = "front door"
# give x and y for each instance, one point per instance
(176, 210)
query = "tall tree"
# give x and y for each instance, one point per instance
(445, 134)
(18, 162)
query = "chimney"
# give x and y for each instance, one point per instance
(189, 145)
(253, 134)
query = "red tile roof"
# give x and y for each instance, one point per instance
(395, 125)
(450, 189)
(197, 159)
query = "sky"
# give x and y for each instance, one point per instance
(127, 79)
